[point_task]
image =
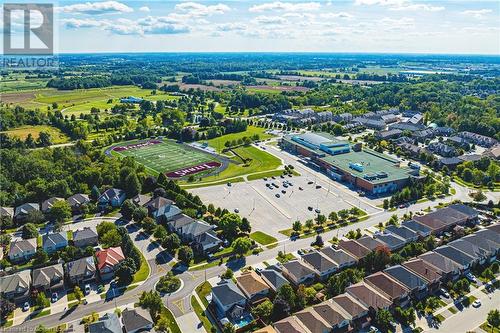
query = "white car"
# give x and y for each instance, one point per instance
(87, 289)
(444, 293)
(476, 303)
(26, 306)
(471, 277)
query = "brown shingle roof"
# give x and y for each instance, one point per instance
(354, 248)
(352, 306)
(290, 325)
(251, 283)
(331, 313)
(368, 295)
(387, 285)
(313, 321)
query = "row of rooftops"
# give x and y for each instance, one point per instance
(382, 289)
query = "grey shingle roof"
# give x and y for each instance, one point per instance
(339, 256)
(110, 194)
(369, 242)
(405, 277)
(11, 283)
(84, 233)
(417, 227)
(457, 256)
(43, 276)
(21, 246)
(7, 211)
(178, 221)
(158, 202)
(80, 266)
(443, 263)
(47, 204)
(109, 323)
(24, 209)
(402, 232)
(54, 238)
(297, 269)
(78, 199)
(228, 293)
(392, 241)
(319, 261)
(273, 278)
(136, 319)
(196, 228)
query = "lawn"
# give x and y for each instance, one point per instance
(172, 324)
(143, 272)
(218, 143)
(203, 290)
(262, 238)
(201, 314)
(163, 157)
(22, 133)
(487, 328)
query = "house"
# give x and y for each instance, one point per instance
(370, 243)
(354, 249)
(369, 296)
(226, 296)
(407, 127)
(85, 237)
(162, 209)
(390, 288)
(442, 149)
(446, 218)
(418, 228)
(331, 313)
(7, 212)
(450, 269)
(480, 255)
(449, 162)
(342, 117)
(274, 279)
(55, 241)
(252, 285)
(291, 325)
(493, 152)
(313, 321)
(78, 200)
(16, 287)
(47, 204)
(109, 323)
(207, 242)
(389, 134)
(463, 259)
(402, 232)
(50, 278)
(297, 272)
(21, 212)
(470, 157)
(113, 197)
(137, 320)
(321, 264)
(140, 200)
(340, 257)
(444, 131)
(393, 242)
(425, 134)
(489, 234)
(108, 260)
(351, 305)
(428, 272)
(179, 221)
(490, 247)
(376, 124)
(267, 329)
(414, 283)
(22, 250)
(81, 270)
(190, 232)
(478, 139)
(458, 142)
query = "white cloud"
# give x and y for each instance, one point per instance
(231, 27)
(480, 13)
(144, 9)
(286, 6)
(400, 5)
(397, 24)
(380, 2)
(270, 20)
(418, 7)
(73, 23)
(342, 15)
(197, 9)
(96, 8)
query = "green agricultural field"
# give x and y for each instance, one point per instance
(22, 132)
(218, 143)
(164, 157)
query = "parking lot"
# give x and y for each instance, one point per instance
(274, 207)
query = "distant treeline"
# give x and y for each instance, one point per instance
(99, 81)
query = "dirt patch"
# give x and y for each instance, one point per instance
(224, 82)
(300, 78)
(17, 97)
(279, 88)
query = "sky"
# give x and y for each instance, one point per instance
(384, 26)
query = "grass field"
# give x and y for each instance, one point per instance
(165, 156)
(218, 143)
(262, 238)
(22, 132)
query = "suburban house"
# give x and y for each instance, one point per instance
(16, 287)
(446, 218)
(321, 264)
(390, 288)
(109, 323)
(228, 299)
(111, 197)
(21, 212)
(487, 245)
(340, 257)
(291, 325)
(22, 250)
(140, 200)
(425, 270)
(451, 270)
(370, 243)
(55, 241)
(414, 283)
(313, 321)
(81, 271)
(179, 221)
(267, 329)
(334, 315)
(192, 231)
(351, 305)
(7, 212)
(47, 204)
(463, 259)
(369, 296)
(85, 237)
(392, 241)
(480, 255)
(353, 248)
(49, 278)
(199, 232)
(298, 273)
(274, 279)
(490, 235)
(207, 242)
(402, 232)
(418, 228)
(76, 201)
(252, 285)
(107, 261)
(162, 209)
(137, 320)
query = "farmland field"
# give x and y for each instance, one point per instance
(162, 156)
(22, 132)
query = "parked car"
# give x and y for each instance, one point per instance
(54, 297)
(283, 191)
(300, 188)
(300, 252)
(87, 289)
(310, 208)
(471, 277)
(26, 306)
(265, 179)
(277, 195)
(273, 177)
(229, 184)
(476, 303)
(236, 210)
(310, 182)
(373, 329)
(318, 186)
(444, 293)
(317, 210)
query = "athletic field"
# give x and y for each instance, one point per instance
(163, 156)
